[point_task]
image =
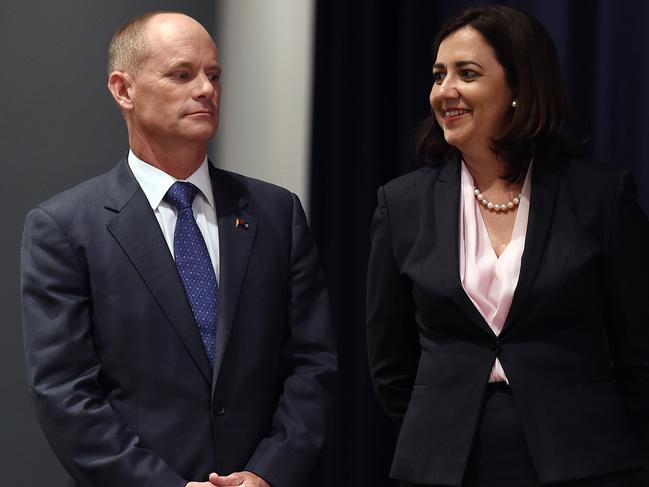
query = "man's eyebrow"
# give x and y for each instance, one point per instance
(189, 64)
(180, 64)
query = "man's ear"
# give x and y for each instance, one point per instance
(120, 86)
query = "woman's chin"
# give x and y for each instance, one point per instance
(455, 140)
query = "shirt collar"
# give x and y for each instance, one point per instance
(155, 182)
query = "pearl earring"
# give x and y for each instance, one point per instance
(514, 104)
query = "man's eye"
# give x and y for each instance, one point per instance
(214, 77)
(180, 76)
(438, 76)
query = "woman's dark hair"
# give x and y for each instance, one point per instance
(529, 58)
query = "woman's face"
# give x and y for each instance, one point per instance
(470, 95)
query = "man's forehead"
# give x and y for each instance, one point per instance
(172, 41)
(174, 18)
(173, 27)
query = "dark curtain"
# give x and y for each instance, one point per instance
(372, 78)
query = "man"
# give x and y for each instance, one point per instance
(175, 318)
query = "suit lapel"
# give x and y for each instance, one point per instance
(445, 209)
(545, 183)
(235, 246)
(137, 231)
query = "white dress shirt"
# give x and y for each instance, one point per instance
(155, 183)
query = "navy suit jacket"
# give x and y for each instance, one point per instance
(122, 385)
(575, 345)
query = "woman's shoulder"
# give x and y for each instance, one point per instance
(580, 167)
(409, 185)
(594, 176)
(592, 188)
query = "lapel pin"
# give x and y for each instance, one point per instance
(241, 223)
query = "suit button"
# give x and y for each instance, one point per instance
(219, 409)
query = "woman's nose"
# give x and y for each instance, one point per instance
(447, 88)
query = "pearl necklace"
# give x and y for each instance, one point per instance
(510, 205)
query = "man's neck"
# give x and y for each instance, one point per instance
(179, 162)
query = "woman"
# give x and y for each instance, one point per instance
(507, 330)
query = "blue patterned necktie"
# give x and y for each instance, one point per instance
(194, 264)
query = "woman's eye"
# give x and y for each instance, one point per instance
(468, 74)
(438, 76)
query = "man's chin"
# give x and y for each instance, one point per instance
(203, 133)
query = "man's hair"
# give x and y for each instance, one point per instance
(128, 48)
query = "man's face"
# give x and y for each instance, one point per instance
(176, 93)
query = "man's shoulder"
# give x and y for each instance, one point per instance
(80, 195)
(242, 182)
(254, 191)
(84, 202)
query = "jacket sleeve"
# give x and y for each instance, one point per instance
(628, 316)
(287, 456)
(392, 335)
(95, 446)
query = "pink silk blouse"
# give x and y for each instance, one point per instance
(488, 280)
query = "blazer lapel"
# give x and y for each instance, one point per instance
(545, 183)
(137, 231)
(237, 230)
(444, 207)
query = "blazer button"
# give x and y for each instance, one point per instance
(219, 409)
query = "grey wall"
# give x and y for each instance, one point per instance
(58, 126)
(265, 48)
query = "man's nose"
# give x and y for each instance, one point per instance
(204, 86)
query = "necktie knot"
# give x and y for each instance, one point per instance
(181, 195)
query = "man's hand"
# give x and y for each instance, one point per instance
(242, 479)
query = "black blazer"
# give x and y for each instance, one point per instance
(575, 345)
(122, 385)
